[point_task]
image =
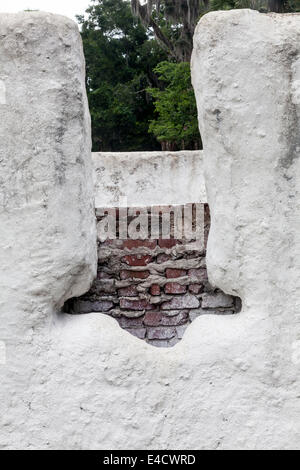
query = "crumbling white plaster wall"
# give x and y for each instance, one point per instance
(47, 223)
(246, 69)
(81, 382)
(148, 178)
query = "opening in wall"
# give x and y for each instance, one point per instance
(152, 275)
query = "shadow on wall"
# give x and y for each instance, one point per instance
(154, 288)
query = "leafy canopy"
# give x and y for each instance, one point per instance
(175, 105)
(120, 58)
(173, 21)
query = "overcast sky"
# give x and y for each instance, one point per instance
(63, 7)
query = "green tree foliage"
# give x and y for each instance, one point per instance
(174, 21)
(120, 58)
(176, 126)
(277, 6)
(127, 89)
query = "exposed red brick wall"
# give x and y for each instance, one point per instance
(154, 288)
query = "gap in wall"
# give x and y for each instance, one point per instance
(154, 288)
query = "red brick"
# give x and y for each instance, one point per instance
(138, 332)
(174, 288)
(125, 274)
(152, 318)
(160, 319)
(217, 300)
(87, 306)
(181, 302)
(131, 244)
(195, 288)
(168, 243)
(161, 333)
(130, 291)
(137, 260)
(127, 323)
(155, 289)
(200, 274)
(181, 319)
(138, 304)
(162, 258)
(173, 273)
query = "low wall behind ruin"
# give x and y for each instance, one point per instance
(141, 179)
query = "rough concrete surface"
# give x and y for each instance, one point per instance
(246, 74)
(80, 382)
(148, 178)
(47, 222)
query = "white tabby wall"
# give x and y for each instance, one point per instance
(81, 382)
